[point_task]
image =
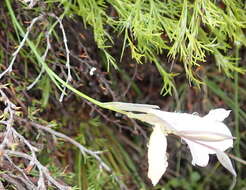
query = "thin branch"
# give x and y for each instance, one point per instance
(237, 159)
(11, 180)
(41, 168)
(10, 136)
(48, 47)
(69, 76)
(26, 179)
(75, 143)
(29, 28)
(31, 3)
(70, 140)
(130, 82)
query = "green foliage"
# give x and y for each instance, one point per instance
(187, 30)
(187, 184)
(88, 175)
(94, 14)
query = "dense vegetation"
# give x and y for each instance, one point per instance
(60, 59)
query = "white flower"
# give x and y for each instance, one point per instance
(204, 135)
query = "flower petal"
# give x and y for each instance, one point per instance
(218, 114)
(130, 107)
(226, 162)
(204, 136)
(200, 154)
(219, 128)
(157, 158)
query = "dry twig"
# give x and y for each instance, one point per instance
(11, 137)
(70, 140)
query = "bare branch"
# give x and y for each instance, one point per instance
(70, 140)
(29, 28)
(69, 76)
(48, 47)
(41, 168)
(10, 137)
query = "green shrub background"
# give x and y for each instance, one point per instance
(183, 55)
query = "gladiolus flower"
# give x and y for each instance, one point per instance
(204, 135)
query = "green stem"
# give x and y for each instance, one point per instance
(236, 103)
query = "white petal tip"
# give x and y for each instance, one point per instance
(154, 181)
(218, 114)
(157, 158)
(226, 162)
